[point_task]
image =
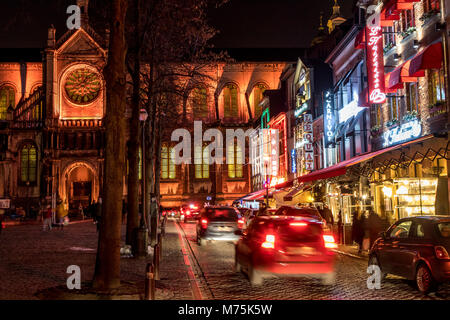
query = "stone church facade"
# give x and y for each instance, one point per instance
(52, 134)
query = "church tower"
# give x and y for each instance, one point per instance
(321, 34)
(335, 18)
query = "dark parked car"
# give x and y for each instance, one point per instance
(275, 246)
(219, 223)
(416, 248)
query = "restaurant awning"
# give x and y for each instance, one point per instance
(296, 191)
(341, 168)
(428, 58)
(401, 75)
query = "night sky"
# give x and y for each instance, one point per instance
(242, 23)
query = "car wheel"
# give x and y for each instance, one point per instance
(329, 279)
(255, 277)
(424, 280)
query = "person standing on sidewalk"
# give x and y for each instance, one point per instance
(47, 215)
(340, 228)
(61, 213)
(357, 231)
(81, 211)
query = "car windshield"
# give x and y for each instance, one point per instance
(444, 229)
(298, 212)
(222, 214)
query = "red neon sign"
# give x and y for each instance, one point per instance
(375, 64)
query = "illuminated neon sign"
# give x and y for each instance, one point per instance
(407, 131)
(293, 160)
(329, 120)
(375, 64)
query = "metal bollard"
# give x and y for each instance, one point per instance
(149, 282)
(156, 261)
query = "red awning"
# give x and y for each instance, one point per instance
(401, 74)
(341, 168)
(394, 88)
(428, 58)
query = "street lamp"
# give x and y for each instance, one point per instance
(143, 115)
(141, 241)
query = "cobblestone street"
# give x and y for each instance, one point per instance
(216, 262)
(33, 260)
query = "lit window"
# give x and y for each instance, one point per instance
(230, 101)
(393, 107)
(199, 102)
(258, 92)
(168, 169)
(411, 97)
(235, 169)
(202, 169)
(430, 5)
(28, 164)
(436, 89)
(407, 19)
(7, 98)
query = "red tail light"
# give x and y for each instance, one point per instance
(441, 253)
(241, 223)
(204, 223)
(270, 242)
(329, 241)
(298, 224)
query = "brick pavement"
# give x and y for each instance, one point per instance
(32, 260)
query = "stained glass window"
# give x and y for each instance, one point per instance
(235, 169)
(199, 102)
(230, 101)
(202, 169)
(168, 169)
(258, 91)
(28, 163)
(7, 98)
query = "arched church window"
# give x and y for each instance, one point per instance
(28, 164)
(200, 102)
(7, 98)
(230, 101)
(258, 91)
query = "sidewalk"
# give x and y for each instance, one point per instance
(33, 260)
(351, 251)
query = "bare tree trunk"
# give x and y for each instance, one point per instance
(107, 273)
(135, 139)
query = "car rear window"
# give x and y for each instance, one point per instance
(222, 214)
(299, 212)
(444, 229)
(292, 233)
(312, 232)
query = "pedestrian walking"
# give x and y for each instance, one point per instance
(81, 211)
(357, 231)
(47, 215)
(328, 215)
(364, 221)
(340, 228)
(61, 214)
